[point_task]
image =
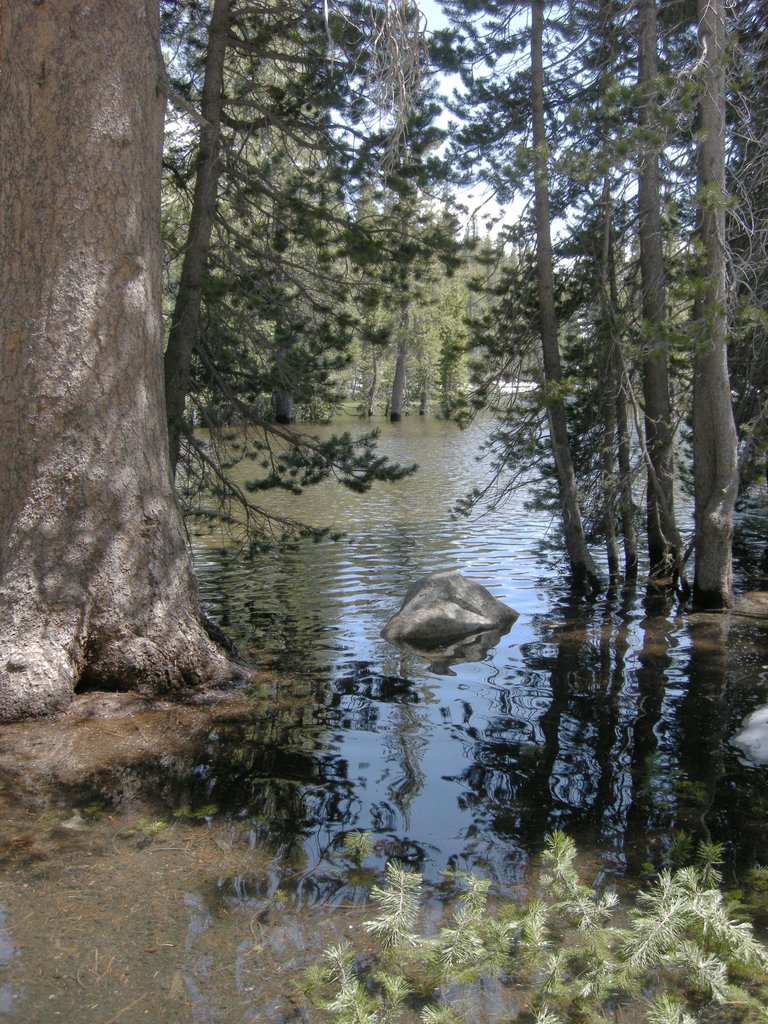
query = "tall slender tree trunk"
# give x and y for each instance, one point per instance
(715, 466)
(613, 384)
(627, 501)
(617, 456)
(370, 396)
(398, 383)
(665, 549)
(583, 568)
(96, 585)
(619, 442)
(185, 321)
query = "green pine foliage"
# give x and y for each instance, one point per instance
(297, 259)
(399, 904)
(676, 950)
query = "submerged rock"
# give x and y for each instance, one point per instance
(752, 738)
(444, 607)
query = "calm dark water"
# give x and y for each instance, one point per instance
(610, 720)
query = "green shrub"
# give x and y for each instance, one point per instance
(575, 954)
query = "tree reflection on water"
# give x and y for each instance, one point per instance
(611, 724)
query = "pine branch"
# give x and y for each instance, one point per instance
(398, 908)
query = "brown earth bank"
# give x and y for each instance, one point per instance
(753, 604)
(117, 746)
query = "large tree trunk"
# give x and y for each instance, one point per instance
(715, 466)
(185, 321)
(583, 570)
(96, 587)
(665, 549)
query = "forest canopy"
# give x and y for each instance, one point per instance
(619, 283)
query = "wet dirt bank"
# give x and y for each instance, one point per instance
(116, 906)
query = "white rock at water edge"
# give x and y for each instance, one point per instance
(752, 739)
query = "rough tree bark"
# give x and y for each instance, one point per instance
(665, 547)
(715, 464)
(185, 321)
(583, 570)
(96, 587)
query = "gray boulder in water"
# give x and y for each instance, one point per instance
(443, 607)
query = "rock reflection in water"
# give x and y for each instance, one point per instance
(468, 649)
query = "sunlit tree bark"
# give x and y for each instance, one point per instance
(96, 586)
(715, 469)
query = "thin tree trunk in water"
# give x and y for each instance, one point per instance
(627, 502)
(96, 586)
(583, 568)
(617, 448)
(611, 341)
(283, 407)
(715, 467)
(617, 376)
(370, 398)
(185, 322)
(398, 384)
(665, 549)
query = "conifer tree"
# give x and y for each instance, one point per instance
(265, 300)
(715, 468)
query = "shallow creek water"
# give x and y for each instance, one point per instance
(186, 864)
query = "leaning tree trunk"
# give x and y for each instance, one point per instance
(715, 464)
(185, 321)
(96, 587)
(665, 548)
(583, 568)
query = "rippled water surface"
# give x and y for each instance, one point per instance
(612, 721)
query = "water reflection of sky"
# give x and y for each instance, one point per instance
(611, 721)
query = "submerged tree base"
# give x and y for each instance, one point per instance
(39, 680)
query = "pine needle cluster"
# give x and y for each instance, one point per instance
(676, 949)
